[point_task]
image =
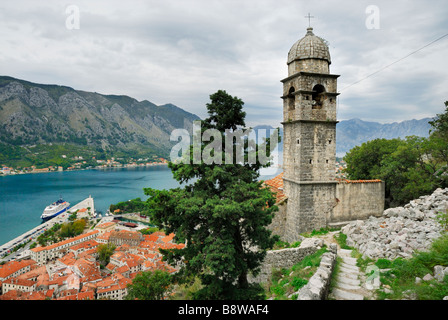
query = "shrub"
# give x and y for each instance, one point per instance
(298, 283)
(383, 263)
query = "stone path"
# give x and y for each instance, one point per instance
(348, 284)
(349, 279)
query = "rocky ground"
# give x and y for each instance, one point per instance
(399, 231)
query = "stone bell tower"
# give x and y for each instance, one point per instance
(309, 122)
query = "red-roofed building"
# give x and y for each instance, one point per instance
(22, 285)
(113, 288)
(19, 295)
(15, 268)
(43, 254)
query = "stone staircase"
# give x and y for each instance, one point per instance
(348, 283)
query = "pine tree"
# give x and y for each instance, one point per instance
(222, 214)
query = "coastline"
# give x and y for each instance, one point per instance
(84, 169)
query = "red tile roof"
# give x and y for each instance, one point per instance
(358, 181)
(276, 185)
(11, 267)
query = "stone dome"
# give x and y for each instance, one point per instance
(309, 47)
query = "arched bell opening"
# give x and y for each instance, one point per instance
(318, 96)
(291, 99)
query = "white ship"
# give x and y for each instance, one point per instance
(55, 209)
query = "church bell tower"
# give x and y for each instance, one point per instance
(309, 122)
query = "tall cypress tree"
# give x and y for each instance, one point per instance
(222, 214)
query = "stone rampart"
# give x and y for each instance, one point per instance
(285, 258)
(357, 200)
(319, 284)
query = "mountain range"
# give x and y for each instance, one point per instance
(32, 113)
(41, 114)
(354, 132)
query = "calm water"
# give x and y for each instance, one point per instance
(24, 197)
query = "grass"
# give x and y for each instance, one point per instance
(361, 262)
(285, 282)
(284, 245)
(341, 239)
(319, 232)
(337, 267)
(403, 272)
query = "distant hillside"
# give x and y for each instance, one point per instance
(35, 114)
(354, 132)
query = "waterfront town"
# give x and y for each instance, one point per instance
(79, 163)
(71, 269)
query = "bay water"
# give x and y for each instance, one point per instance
(24, 197)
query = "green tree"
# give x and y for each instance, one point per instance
(150, 286)
(408, 172)
(72, 229)
(364, 162)
(411, 168)
(105, 251)
(222, 214)
(440, 123)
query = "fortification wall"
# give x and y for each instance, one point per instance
(309, 204)
(357, 200)
(278, 223)
(285, 258)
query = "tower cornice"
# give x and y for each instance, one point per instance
(310, 121)
(295, 93)
(311, 74)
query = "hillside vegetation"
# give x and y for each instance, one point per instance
(34, 114)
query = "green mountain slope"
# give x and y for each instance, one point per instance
(38, 114)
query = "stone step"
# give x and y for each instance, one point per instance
(350, 261)
(345, 295)
(352, 276)
(345, 253)
(343, 269)
(347, 280)
(345, 286)
(349, 266)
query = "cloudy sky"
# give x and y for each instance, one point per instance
(180, 52)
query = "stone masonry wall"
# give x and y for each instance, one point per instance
(308, 207)
(358, 201)
(285, 258)
(277, 225)
(319, 284)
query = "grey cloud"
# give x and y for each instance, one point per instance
(182, 51)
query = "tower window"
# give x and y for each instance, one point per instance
(311, 161)
(318, 96)
(291, 98)
(327, 161)
(298, 141)
(329, 141)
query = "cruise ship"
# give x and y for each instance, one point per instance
(55, 209)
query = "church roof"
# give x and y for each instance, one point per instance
(309, 47)
(276, 185)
